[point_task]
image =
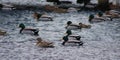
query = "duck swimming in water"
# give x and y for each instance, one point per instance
(84, 25)
(2, 32)
(69, 38)
(42, 17)
(98, 18)
(72, 26)
(75, 26)
(44, 44)
(112, 14)
(23, 28)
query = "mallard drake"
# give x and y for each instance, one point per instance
(23, 28)
(92, 18)
(71, 26)
(99, 17)
(79, 26)
(77, 40)
(69, 34)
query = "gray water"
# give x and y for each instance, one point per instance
(101, 42)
